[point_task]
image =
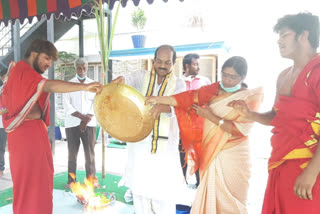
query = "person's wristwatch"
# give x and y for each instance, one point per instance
(221, 122)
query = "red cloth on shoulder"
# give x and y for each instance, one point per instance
(28, 143)
(292, 123)
(22, 84)
(292, 129)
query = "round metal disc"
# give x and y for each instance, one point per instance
(121, 112)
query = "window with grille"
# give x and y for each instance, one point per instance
(91, 72)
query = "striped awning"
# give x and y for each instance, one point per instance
(11, 10)
(135, 2)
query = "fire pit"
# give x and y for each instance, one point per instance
(98, 201)
(87, 197)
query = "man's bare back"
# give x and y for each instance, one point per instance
(35, 112)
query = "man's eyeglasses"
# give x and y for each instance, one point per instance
(233, 77)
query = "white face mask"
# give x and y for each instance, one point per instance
(232, 89)
(81, 78)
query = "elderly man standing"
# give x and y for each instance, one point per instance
(153, 171)
(80, 124)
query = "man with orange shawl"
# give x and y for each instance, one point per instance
(216, 136)
(294, 165)
(24, 104)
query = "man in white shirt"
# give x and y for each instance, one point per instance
(3, 134)
(191, 70)
(80, 123)
(153, 171)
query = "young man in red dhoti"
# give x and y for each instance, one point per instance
(293, 184)
(24, 104)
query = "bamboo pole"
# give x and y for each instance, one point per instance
(103, 144)
(105, 48)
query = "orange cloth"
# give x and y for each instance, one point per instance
(190, 124)
(202, 146)
(31, 162)
(224, 158)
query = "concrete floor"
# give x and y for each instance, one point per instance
(115, 164)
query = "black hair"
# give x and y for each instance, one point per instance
(187, 59)
(239, 64)
(3, 72)
(42, 46)
(174, 57)
(301, 22)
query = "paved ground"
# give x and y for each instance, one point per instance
(116, 160)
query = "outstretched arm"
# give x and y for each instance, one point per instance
(59, 86)
(243, 109)
(264, 118)
(165, 100)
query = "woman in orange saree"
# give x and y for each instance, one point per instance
(215, 137)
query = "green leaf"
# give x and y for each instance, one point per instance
(103, 32)
(138, 19)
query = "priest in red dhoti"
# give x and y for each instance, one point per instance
(24, 104)
(293, 184)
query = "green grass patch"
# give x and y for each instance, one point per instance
(108, 184)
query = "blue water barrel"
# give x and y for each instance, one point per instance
(58, 133)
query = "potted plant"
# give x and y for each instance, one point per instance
(138, 20)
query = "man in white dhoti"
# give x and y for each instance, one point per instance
(153, 171)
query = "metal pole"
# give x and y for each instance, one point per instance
(81, 47)
(50, 37)
(16, 41)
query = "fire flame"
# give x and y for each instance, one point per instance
(85, 193)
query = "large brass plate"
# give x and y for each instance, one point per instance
(121, 112)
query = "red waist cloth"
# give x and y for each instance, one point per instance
(279, 196)
(31, 168)
(291, 127)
